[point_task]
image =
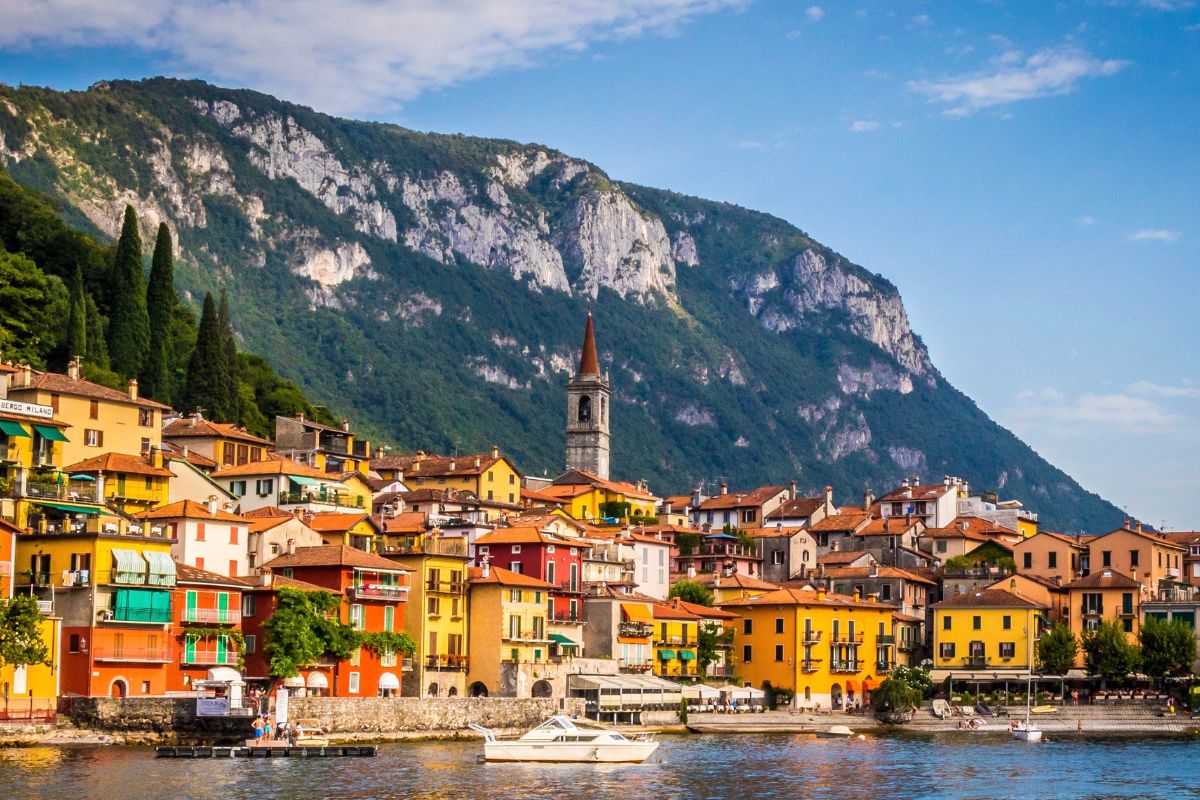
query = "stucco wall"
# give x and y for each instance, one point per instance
(427, 714)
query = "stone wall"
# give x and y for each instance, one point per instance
(164, 715)
(427, 714)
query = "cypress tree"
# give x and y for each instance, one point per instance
(230, 353)
(77, 316)
(129, 323)
(155, 378)
(208, 372)
(97, 351)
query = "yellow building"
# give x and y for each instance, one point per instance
(31, 446)
(508, 624)
(353, 529)
(491, 477)
(590, 498)
(1104, 596)
(436, 612)
(100, 419)
(988, 630)
(131, 484)
(225, 444)
(675, 641)
(30, 691)
(828, 649)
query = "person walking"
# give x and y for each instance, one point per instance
(258, 728)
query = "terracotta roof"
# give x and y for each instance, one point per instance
(906, 617)
(1103, 579)
(888, 526)
(1147, 535)
(735, 581)
(1179, 537)
(593, 480)
(189, 509)
(506, 577)
(646, 538)
(119, 462)
(1061, 537)
(267, 511)
(880, 571)
(540, 497)
(589, 364)
(663, 611)
(334, 555)
(797, 507)
(841, 522)
(429, 494)
(806, 597)
(522, 536)
(316, 426)
(189, 574)
(542, 520)
(679, 502)
(62, 384)
(188, 427)
(700, 611)
(408, 522)
(771, 531)
(742, 499)
(284, 582)
(275, 465)
(1040, 580)
(928, 491)
(987, 598)
(335, 521)
(970, 527)
(171, 450)
(418, 465)
(264, 524)
(842, 557)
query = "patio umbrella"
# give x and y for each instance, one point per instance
(81, 477)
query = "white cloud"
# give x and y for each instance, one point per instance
(1086, 221)
(1156, 5)
(863, 125)
(814, 13)
(347, 57)
(1090, 412)
(920, 21)
(1013, 77)
(1161, 390)
(1155, 235)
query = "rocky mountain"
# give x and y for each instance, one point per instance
(436, 285)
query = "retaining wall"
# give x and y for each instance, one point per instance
(427, 714)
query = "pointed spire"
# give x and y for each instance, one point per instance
(589, 364)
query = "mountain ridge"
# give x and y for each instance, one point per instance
(437, 283)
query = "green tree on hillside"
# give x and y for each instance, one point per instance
(1168, 648)
(229, 352)
(1056, 651)
(129, 322)
(208, 372)
(77, 317)
(33, 306)
(155, 378)
(1108, 654)
(97, 351)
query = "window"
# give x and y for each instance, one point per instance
(149, 483)
(483, 549)
(1008, 649)
(779, 624)
(146, 417)
(491, 476)
(94, 409)
(512, 479)
(976, 623)
(228, 454)
(1053, 559)
(93, 438)
(1133, 558)
(747, 627)
(1027, 560)
(946, 622)
(354, 682)
(549, 548)
(233, 568)
(199, 562)
(885, 592)
(248, 605)
(946, 650)
(251, 644)
(747, 651)
(76, 641)
(264, 486)
(1007, 622)
(550, 572)
(357, 616)
(514, 567)
(237, 488)
(777, 557)
(779, 652)
(941, 546)
(233, 534)
(516, 548)
(490, 495)
(432, 606)
(1106, 558)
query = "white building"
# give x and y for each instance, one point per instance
(205, 537)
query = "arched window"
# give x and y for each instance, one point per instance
(585, 409)
(604, 411)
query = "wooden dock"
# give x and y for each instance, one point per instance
(275, 751)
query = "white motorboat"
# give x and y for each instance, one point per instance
(836, 732)
(1026, 732)
(563, 739)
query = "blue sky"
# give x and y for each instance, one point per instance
(1028, 173)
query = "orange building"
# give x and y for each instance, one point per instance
(1050, 555)
(206, 613)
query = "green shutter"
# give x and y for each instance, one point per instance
(222, 607)
(389, 616)
(160, 605)
(222, 645)
(190, 614)
(189, 650)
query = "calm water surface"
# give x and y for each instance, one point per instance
(741, 767)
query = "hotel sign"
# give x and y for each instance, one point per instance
(28, 409)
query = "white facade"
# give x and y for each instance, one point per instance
(216, 545)
(190, 483)
(652, 567)
(262, 546)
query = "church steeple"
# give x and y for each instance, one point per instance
(588, 395)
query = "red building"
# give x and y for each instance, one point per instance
(204, 605)
(374, 591)
(555, 559)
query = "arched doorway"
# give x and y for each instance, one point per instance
(542, 689)
(835, 695)
(432, 691)
(118, 688)
(477, 689)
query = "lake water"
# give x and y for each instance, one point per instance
(741, 767)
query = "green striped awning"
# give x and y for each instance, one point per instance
(563, 641)
(50, 434)
(13, 428)
(666, 655)
(687, 655)
(304, 480)
(73, 509)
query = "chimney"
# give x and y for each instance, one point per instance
(265, 579)
(691, 571)
(916, 480)
(416, 464)
(212, 504)
(1139, 526)
(829, 496)
(695, 495)
(291, 547)
(868, 500)
(300, 416)
(345, 426)
(73, 369)
(904, 483)
(857, 594)
(821, 570)
(186, 451)
(452, 465)
(724, 488)
(821, 594)
(792, 491)
(485, 567)
(495, 451)
(874, 573)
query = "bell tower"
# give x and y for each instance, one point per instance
(588, 395)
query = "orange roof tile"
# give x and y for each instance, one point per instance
(888, 526)
(506, 577)
(62, 384)
(806, 597)
(987, 598)
(838, 523)
(698, 610)
(119, 462)
(332, 555)
(335, 521)
(880, 571)
(521, 536)
(1103, 579)
(797, 507)
(275, 465)
(189, 509)
(406, 522)
(742, 499)
(187, 574)
(191, 427)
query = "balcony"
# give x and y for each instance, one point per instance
(111, 651)
(447, 662)
(674, 641)
(568, 587)
(1085, 611)
(74, 491)
(975, 662)
(632, 665)
(810, 664)
(446, 587)
(328, 498)
(908, 647)
(567, 617)
(846, 638)
(440, 546)
(216, 616)
(210, 658)
(117, 577)
(377, 591)
(885, 639)
(845, 667)
(811, 637)
(635, 630)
